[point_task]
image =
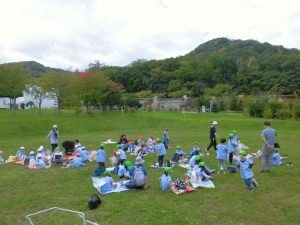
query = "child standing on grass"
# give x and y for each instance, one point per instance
(245, 167)
(232, 144)
(166, 180)
(101, 154)
(161, 152)
(222, 156)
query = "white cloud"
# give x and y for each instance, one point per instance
(74, 33)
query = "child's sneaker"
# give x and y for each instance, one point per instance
(255, 183)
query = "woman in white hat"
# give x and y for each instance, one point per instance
(212, 136)
(54, 137)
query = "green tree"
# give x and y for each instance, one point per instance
(13, 78)
(57, 84)
(35, 89)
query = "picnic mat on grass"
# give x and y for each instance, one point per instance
(184, 165)
(187, 189)
(199, 183)
(98, 182)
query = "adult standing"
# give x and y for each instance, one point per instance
(54, 137)
(268, 135)
(212, 136)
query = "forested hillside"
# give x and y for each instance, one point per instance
(235, 66)
(218, 67)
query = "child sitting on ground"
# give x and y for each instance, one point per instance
(109, 183)
(276, 158)
(31, 155)
(77, 162)
(195, 149)
(178, 155)
(193, 159)
(245, 167)
(1, 157)
(204, 173)
(222, 156)
(123, 171)
(40, 164)
(21, 153)
(84, 155)
(131, 146)
(166, 180)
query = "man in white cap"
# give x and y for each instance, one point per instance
(212, 136)
(54, 137)
(138, 175)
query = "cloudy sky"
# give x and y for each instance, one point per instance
(73, 33)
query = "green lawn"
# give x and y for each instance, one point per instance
(24, 191)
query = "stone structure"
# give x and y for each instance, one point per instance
(179, 104)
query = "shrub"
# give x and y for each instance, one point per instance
(296, 110)
(215, 107)
(240, 105)
(78, 111)
(256, 108)
(221, 106)
(283, 113)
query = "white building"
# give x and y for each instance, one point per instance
(46, 104)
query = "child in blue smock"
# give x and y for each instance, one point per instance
(166, 136)
(245, 167)
(161, 152)
(77, 162)
(21, 153)
(231, 146)
(41, 151)
(123, 170)
(276, 158)
(1, 157)
(131, 146)
(40, 164)
(122, 154)
(31, 155)
(101, 154)
(166, 180)
(221, 155)
(84, 155)
(204, 173)
(193, 159)
(140, 140)
(195, 149)
(235, 136)
(150, 139)
(178, 154)
(108, 186)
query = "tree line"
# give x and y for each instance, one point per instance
(220, 67)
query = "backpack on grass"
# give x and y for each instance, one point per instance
(180, 184)
(94, 202)
(139, 177)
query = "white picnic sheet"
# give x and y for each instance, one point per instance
(98, 182)
(199, 183)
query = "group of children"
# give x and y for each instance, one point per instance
(140, 148)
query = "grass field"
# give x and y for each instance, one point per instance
(24, 191)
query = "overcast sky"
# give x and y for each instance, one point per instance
(73, 33)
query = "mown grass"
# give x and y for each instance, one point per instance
(24, 191)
